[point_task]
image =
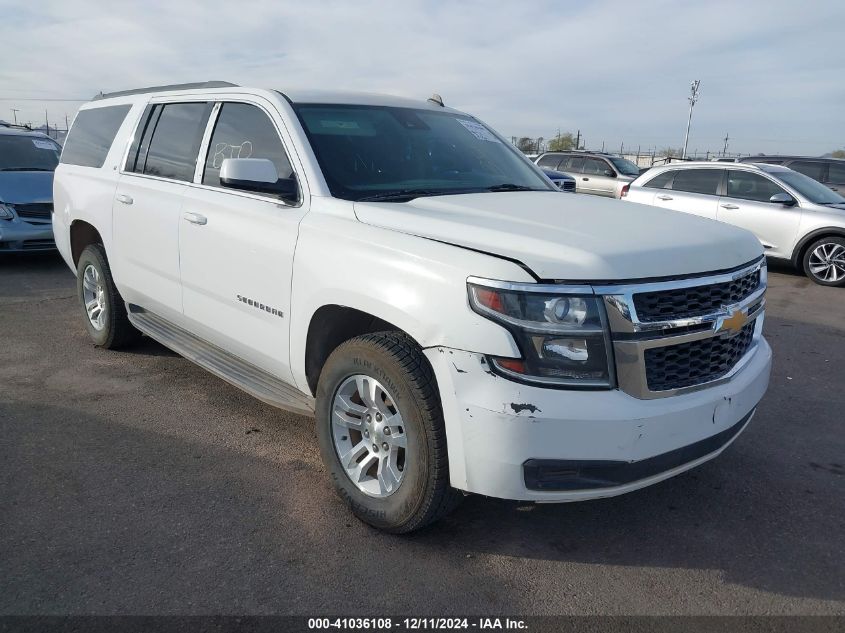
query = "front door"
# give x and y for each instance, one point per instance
(747, 205)
(236, 247)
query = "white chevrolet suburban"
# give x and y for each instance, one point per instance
(399, 271)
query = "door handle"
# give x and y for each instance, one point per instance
(664, 197)
(195, 218)
(729, 206)
(124, 199)
(585, 179)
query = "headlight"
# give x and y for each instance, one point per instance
(562, 335)
(6, 212)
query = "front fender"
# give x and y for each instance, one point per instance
(416, 284)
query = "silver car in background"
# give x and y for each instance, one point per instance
(795, 218)
(594, 172)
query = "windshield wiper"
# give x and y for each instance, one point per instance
(404, 195)
(509, 186)
(25, 169)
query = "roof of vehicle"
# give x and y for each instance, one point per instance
(578, 151)
(334, 97)
(709, 164)
(18, 131)
(751, 159)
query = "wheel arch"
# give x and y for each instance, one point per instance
(805, 242)
(82, 234)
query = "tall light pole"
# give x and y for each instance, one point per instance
(15, 114)
(693, 97)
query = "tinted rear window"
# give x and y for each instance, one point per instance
(837, 173)
(176, 140)
(698, 180)
(661, 181)
(92, 134)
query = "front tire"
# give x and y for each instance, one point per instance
(381, 432)
(102, 306)
(824, 261)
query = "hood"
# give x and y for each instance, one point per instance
(574, 238)
(26, 186)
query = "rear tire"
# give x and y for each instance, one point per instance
(102, 306)
(378, 406)
(824, 261)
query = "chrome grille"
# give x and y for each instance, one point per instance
(671, 337)
(696, 362)
(34, 211)
(567, 185)
(683, 303)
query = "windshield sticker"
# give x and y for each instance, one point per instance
(478, 131)
(341, 125)
(41, 144)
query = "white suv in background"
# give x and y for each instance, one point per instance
(795, 218)
(398, 270)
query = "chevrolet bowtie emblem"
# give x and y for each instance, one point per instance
(733, 324)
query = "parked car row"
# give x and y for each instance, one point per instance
(595, 173)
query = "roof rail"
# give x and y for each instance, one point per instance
(138, 91)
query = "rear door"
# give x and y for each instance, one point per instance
(148, 200)
(694, 190)
(746, 204)
(236, 247)
(598, 177)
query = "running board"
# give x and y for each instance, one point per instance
(232, 369)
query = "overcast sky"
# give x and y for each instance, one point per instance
(772, 73)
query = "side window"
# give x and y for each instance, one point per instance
(175, 132)
(837, 174)
(550, 161)
(661, 181)
(809, 168)
(594, 167)
(576, 164)
(698, 181)
(750, 186)
(244, 131)
(563, 165)
(92, 135)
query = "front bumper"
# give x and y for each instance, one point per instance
(17, 236)
(501, 433)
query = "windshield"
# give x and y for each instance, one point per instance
(378, 152)
(28, 153)
(811, 189)
(625, 166)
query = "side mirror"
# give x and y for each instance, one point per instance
(610, 173)
(782, 198)
(258, 175)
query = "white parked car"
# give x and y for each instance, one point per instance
(795, 218)
(398, 270)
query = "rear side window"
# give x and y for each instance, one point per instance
(662, 181)
(698, 181)
(809, 168)
(176, 140)
(837, 173)
(92, 135)
(244, 131)
(748, 186)
(549, 161)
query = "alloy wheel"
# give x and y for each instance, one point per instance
(369, 435)
(94, 297)
(827, 262)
